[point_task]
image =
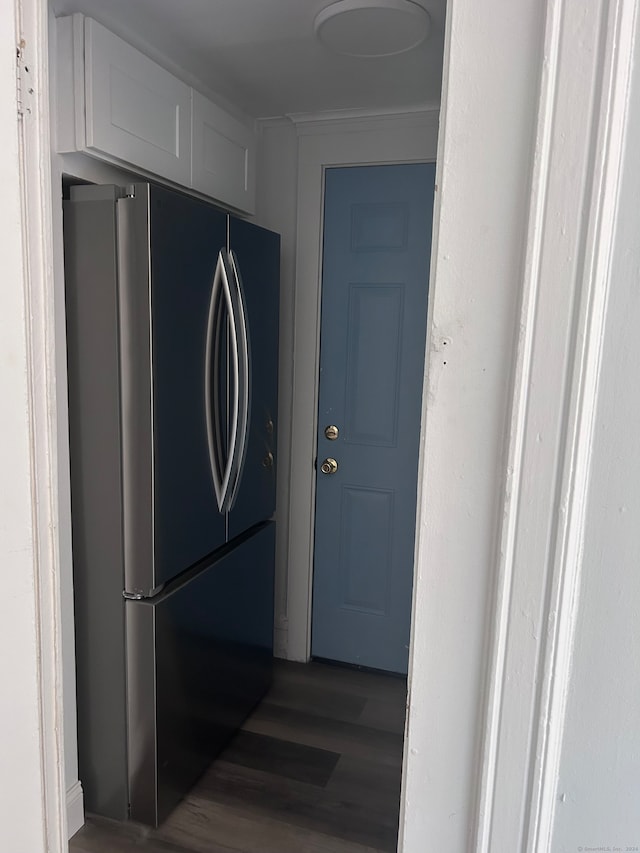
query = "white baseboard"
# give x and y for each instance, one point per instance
(280, 643)
(75, 808)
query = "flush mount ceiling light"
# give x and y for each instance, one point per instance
(370, 28)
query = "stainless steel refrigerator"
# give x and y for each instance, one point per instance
(172, 329)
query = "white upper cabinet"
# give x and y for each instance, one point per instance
(115, 103)
(223, 155)
(135, 110)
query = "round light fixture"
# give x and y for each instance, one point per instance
(370, 28)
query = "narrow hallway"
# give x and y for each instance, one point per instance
(315, 769)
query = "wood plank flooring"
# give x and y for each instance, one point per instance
(315, 769)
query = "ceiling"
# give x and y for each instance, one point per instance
(262, 56)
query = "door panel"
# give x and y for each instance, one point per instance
(376, 254)
(186, 236)
(373, 364)
(258, 255)
(365, 564)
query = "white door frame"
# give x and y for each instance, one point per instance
(528, 177)
(32, 799)
(497, 558)
(355, 141)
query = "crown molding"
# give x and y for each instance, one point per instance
(330, 121)
(364, 114)
(273, 121)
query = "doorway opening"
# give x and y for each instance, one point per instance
(403, 136)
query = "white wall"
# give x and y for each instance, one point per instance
(598, 793)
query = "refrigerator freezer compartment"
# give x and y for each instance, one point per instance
(199, 658)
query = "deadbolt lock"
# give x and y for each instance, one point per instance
(329, 466)
(267, 462)
(331, 432)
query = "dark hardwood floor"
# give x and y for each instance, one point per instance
(315, 769)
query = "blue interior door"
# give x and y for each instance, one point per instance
(376, 254)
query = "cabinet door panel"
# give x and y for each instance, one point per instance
(223, 156)
(135, 110)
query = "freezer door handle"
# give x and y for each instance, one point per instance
(221, 309)
(244, 380)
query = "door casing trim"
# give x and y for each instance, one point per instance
(387, 140)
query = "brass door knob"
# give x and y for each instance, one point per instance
(267, 462)
(329, 466)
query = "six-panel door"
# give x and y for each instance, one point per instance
(377, 232)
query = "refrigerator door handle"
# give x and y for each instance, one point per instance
(221, 306)
(244, 379)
